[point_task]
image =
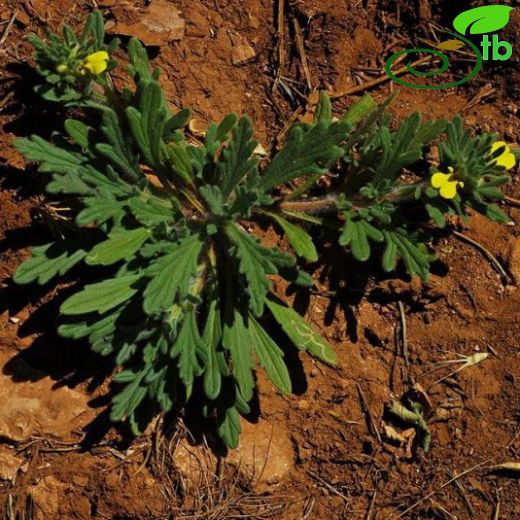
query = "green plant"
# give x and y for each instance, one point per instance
(63, 61)
(168, 226)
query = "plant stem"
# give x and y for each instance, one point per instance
(309, 206)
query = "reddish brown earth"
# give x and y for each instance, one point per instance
(319, 453)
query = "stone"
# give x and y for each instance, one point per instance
(265, 455)
(242, 53)
(193, 463)
(156, 26)
(9, 464)
(46, 497)
(80, 480)
(34, 406)
(303, 405)
(513, 259)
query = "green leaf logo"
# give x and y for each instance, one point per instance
(482, 20)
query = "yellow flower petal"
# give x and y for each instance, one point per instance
(449, 190)
(507, 160)
(96, 62)
(440, 179)
(98, 56)
(500, 144)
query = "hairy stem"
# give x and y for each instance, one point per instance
(309, 206)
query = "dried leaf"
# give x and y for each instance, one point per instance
(507, 466)
(451, 45)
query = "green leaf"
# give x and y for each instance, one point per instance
(171, 274)
(177, 121)
(148, 121)
(210, 341)
(186, 345)
(99, 210)
(139, 66)
(224, 127)
(236, 338)
(213, 198)
(493, 212)
(235, 162)
(128, 400)
(308, 152)
(79, 131)
(151, 212)
(300, 332)
(405, 146)
(360, 110)
(229, 428)
(120, 245)
(323, 112)
(118, 151)
(49, 261)
(357, 233)
(101, 297)
(389, 260)
(414, 255)
(51, 158)
(180, 159)
(69, 184)
(271, 357)
(482, 20)
(300, 241)
(436, 215)
(256, 263)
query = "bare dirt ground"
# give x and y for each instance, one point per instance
(329, 451)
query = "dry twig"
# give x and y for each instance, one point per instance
(512, 201)
(301, 51)
(464, 496)
(8, 27)
(370, 417)
(404, 333)
(280, 36)
(383, 79)
(505, 277)
(435, 491)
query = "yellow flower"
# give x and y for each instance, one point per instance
(62, 68)
(447, 187)
(507, 158)
(95, 63)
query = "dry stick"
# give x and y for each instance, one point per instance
(5, 34)
(434, 492)
(371, 421)
(328, 486)
(383, 79)
(404, 333)
(512, 201)
(486, 253)
(280, 34)
(462, 491)
(496, 512)
(301, 51)
(10, 95)
(482, 94)
(372, 504)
